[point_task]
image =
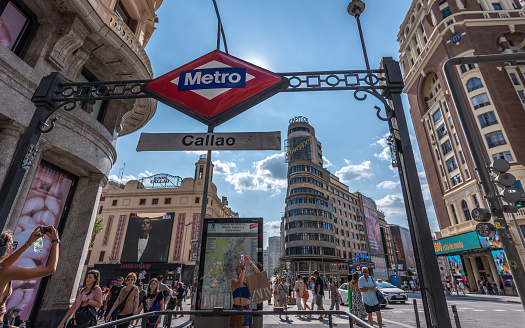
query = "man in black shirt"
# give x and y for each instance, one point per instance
(319, 292)
(180, 296)
(113, 295)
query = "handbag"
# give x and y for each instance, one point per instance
(259, 288)
(236, 321)
(84, 316)
(380, 297)
(122, 305)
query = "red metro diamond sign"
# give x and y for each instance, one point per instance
(215, 87)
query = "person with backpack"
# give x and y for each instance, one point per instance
(282, 290)
(152, 301)
(88, 298)
(127, 301)
(368, 288)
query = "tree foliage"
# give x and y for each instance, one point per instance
(97, 228)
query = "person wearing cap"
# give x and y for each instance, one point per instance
(12, 318)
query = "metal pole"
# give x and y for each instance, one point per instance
(183, 247)
(436, 311)
(416, 312)
(456, 317)
(509, 247)
(520, 233)
(45, 106)
(362, 42)
(199, 263)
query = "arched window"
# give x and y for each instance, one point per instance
(473, 84)
(454, 212)
(466, 211)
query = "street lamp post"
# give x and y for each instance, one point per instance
(183, 247)
(434, 302)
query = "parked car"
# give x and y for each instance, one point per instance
(392, 293)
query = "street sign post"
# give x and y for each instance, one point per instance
(209, 141)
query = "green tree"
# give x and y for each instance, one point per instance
(276, 270)
(97, 228)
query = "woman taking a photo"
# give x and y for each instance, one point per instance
(9, 272)
(88, 298)
(152, 301)
(240, 293)
(127, 302)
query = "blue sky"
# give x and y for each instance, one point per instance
(281, 36)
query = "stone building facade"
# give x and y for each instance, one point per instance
(432, 32)
(323, 223)
(180, 198)
(84, 40)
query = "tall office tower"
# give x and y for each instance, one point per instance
(320, 222)
(274, 253)
(432, 32)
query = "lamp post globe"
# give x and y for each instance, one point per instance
(356, 8)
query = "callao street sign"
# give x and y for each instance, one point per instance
(210, 141)
(215, 87)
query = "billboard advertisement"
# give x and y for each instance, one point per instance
(225, 240)
(403, 247)
(490, 242)
(457, 243)
(455, 265)
(374, 232)
(501, 263)
(408, 250)
(147, 238)
(49, 194)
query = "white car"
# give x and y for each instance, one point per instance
(391, 293)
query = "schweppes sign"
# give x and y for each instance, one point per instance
(457, 243)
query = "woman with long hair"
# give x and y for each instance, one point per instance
(358, 309)
(9, 271)
(275, 292)
(306, 295)
(334, 295)
(89, 298)
(127, 302)
(152, 301)
(240, 293)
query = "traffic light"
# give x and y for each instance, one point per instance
(481, 214)
(339, 266)
(505, 180)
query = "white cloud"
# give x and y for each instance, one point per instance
(388, 185)
(124, 180)
(384, 155)
(272, 228)
(392, 205)
(354, 172)
(269, 175)
(221, 167)
(145, 174)
(326, 162)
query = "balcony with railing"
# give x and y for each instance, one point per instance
(136, 36)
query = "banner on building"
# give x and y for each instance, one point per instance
(147, 238)
(50, 192)
(374, 232)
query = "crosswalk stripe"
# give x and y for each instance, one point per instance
(500, 310)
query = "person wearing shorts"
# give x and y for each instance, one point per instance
(368, 288)
(319, 292)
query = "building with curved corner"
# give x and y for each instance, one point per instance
(432, 32)
(84, 40)
(323, 226)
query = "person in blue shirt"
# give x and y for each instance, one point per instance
(368, 288)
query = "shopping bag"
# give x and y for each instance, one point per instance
(259, 287)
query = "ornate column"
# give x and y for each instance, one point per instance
(10, 134)
(475, 270)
